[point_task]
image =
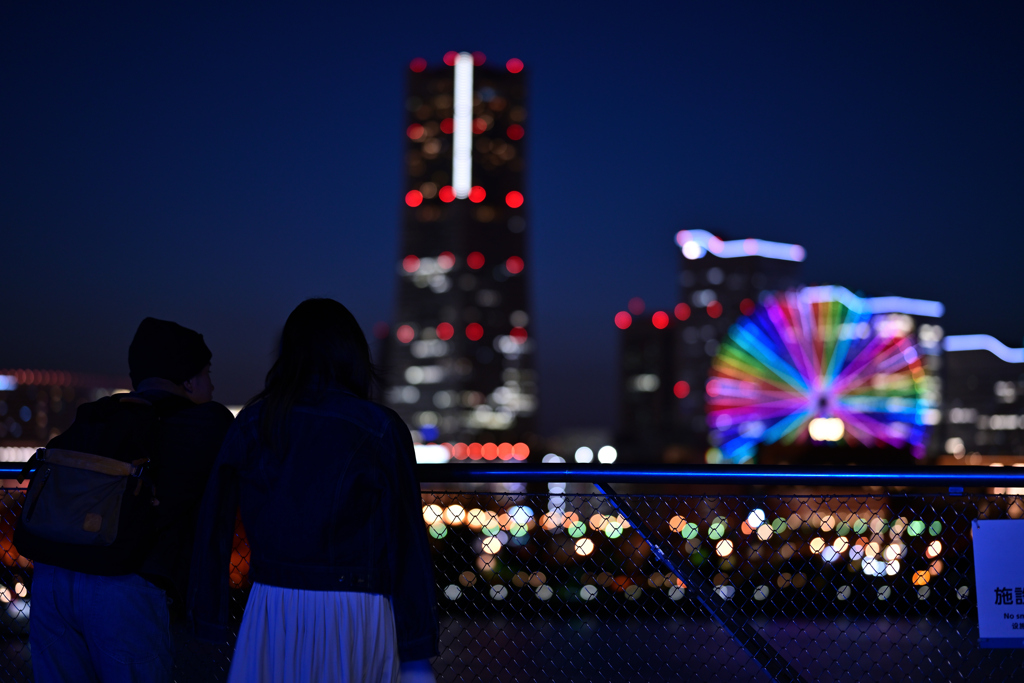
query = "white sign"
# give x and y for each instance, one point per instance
(999, 581)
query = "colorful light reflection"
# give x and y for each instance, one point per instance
(797, 358)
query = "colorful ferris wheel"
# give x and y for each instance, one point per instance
(815, 364)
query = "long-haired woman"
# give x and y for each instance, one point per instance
(342, 581)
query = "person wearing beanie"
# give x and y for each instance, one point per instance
(115, 615)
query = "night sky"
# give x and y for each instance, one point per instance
(216, 165)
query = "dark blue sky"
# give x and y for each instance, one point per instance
(216, 165)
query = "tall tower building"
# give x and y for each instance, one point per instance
(460, 353)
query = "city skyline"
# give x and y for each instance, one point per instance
(185, 187)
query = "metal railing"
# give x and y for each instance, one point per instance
(711, 573)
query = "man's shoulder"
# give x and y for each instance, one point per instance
(211, 417)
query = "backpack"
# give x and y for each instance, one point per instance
(97, 489)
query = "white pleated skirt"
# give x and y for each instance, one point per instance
(290, 636)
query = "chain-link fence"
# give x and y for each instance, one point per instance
(595, 586)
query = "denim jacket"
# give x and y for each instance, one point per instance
(340, 511)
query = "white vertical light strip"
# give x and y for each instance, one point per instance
(462, 135)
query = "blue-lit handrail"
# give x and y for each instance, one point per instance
(952, 477)
(721, 475)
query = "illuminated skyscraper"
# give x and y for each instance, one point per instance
(459, 354)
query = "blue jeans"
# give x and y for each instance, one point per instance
(86, 628)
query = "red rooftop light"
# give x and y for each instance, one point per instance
(447, 126)
(514, 65)
(519, 334)
(479, 126)
(636, 305)
(411, 264)
(477, 194)
(415, 131)
(515, 132)
(450, 57)
(413, 198)
(747, 306)
(660, 320)
(715, 309)
(475, 260)
(446, 194)
(445, 331)
(474, 331)
(405, 334)
(514, 199)
(682, 311)
(479, 59)
(623, 320)
(681, 389)
(446, 260)
(418, 64)
(514, 265)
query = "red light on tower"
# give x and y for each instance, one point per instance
(418, 64)
(514, 199)
(681, 389)
(446, 260)
(682, 311)
(515, 132)
(479, 59)
(514, 65)
(446, 194)
(479, 126)
(519, 334)
(475, 260)
(660, 319)
(411, 264)
(636, 305)
(477, 194)
(447, 126)
(415, 131)
(474, 331)
(514, 265)
(623, 320)
(450, 57)
(405, 334)
(715, 309)
(747, 307)
(445, 331)
(414, 198)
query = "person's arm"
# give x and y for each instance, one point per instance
(413, 594)
(209, 597)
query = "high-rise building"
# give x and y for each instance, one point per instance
(459, 356)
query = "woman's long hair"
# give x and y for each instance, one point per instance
(321, 345)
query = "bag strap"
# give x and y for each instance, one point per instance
(93, 463)
(29, 464)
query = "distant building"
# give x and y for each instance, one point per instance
(37, 405)
(984, 383)
(459, 356)
(666, 355)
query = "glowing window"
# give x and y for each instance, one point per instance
(514, 264)
(515, 132)
(447, 126)
(415, 131)
(418, 64)
(715, 309)
(681, 389)
(477, 194)
(405, 334)
(445, 331)
(514, 199)
(623, 320)
(446, 194)
(411, 264)
(475, 260)
(682, 311)
(474, 331)
(660, 319)
(514, 65)
(413, 197)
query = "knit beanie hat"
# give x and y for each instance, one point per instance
(166, 350)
